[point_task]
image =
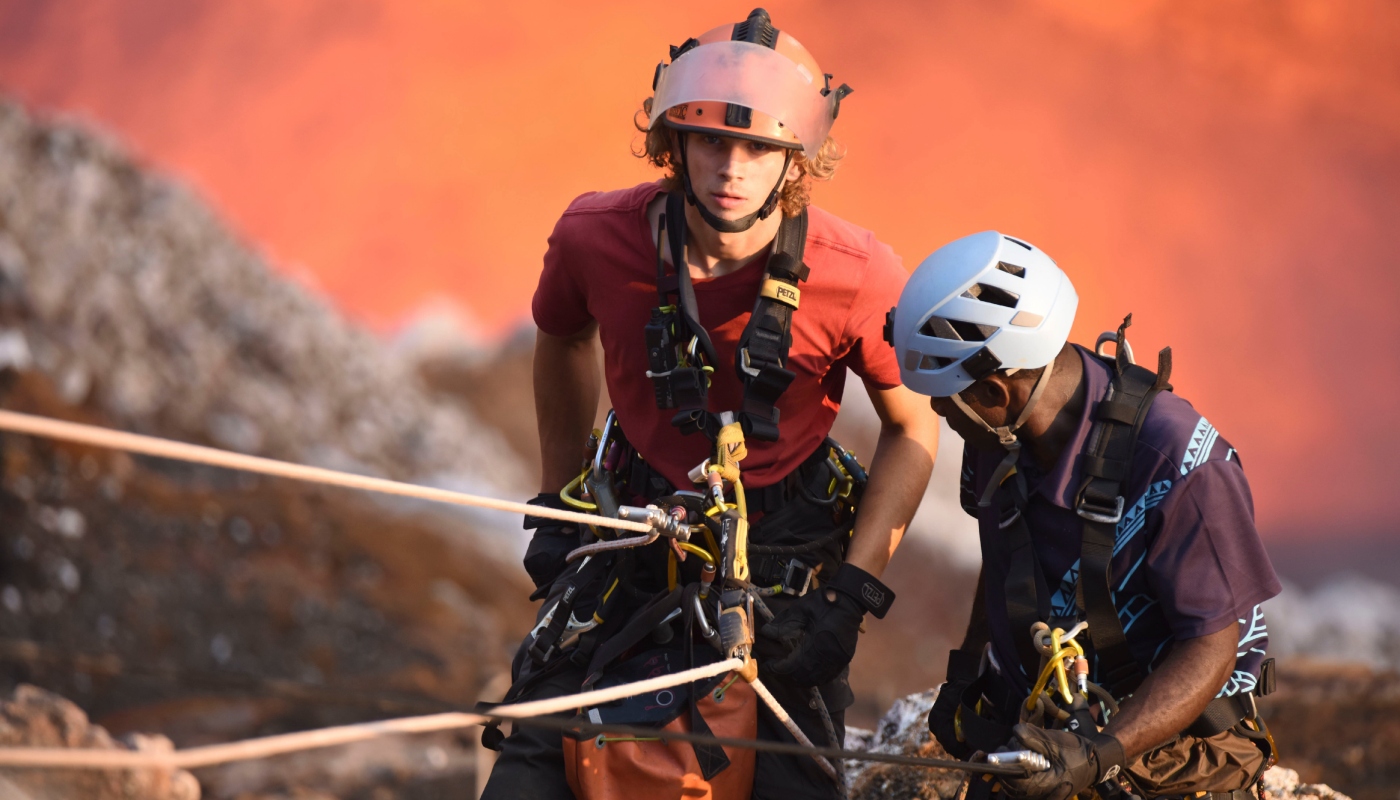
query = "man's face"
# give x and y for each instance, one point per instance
(976, 396)
(733, 177)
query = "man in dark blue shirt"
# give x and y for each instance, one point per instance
(1075, 457)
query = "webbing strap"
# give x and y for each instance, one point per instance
(1026, 593)
(1222, 714)
(1100, 504)
(638, 627)
(675, 231)
(761, 356)
(711, 758)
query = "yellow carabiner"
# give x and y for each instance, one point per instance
(566, 493)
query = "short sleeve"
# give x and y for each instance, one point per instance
(870, 356)
(560, 305)
(1207, 565)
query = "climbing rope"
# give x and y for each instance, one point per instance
(536, 712)
(95, 436)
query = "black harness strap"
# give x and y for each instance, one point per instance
(675, 217)
(711, 758)
(761, 356)
(1027, 595)
(1105, 465)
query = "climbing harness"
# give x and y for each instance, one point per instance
(723, 612)
(680, 354)
(988, 707)
(606, 611)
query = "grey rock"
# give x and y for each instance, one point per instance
(904, 730)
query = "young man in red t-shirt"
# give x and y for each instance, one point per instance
(731, 163)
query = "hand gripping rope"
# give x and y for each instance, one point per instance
(652, 522)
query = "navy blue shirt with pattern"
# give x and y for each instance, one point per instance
(1187, 560)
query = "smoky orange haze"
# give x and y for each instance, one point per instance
(1227, 171)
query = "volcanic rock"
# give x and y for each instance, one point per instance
(904, 730)
(32, 717)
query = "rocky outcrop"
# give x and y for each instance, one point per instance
(211, 605)
(136, 301)
(904, 730)
(32, 717)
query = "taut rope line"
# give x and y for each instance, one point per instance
(95, 436)
(344, 734)
(538, 711)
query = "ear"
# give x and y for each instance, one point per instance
(795, 171)
(991, 392)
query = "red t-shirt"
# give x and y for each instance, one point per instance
(601, 265)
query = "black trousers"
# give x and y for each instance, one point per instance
(531, 761)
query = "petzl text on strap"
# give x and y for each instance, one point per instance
(1105, 464)
(761, 358)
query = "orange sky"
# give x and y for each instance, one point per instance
(1226, 170)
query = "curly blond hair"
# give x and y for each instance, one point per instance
(656, 148)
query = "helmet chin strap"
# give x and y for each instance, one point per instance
(1007, 434)
(730, 225)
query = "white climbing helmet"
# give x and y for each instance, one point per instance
(976, 305)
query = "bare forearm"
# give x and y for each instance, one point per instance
(1176, 692)
(567, 386)
(899, 473)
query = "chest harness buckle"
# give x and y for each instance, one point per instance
(681, 356)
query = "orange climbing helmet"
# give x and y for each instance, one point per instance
(748, 81)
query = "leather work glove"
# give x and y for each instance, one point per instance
(820, 630)
(544, 558)
(962, 671)
(1076, 763)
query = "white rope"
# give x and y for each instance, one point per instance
(344, 734)
(165, 448)
(786, 719)
(306, 740)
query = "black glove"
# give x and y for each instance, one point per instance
(544, 558)
(1076, 763)
(819, 631)
(962, 671)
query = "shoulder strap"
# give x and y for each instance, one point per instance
(760, 360)
(675, 230)
(1024, 590)
(761, 356)
(1105, 465)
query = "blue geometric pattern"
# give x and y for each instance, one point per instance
(1133, 610)
(1063, 601)
(1252, 630)
(1198, 448)
(1135, 517)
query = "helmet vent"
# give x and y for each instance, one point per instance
(1011, 269)
(991, 294)
(1017, 241)
(934, 362)
(957, 330)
